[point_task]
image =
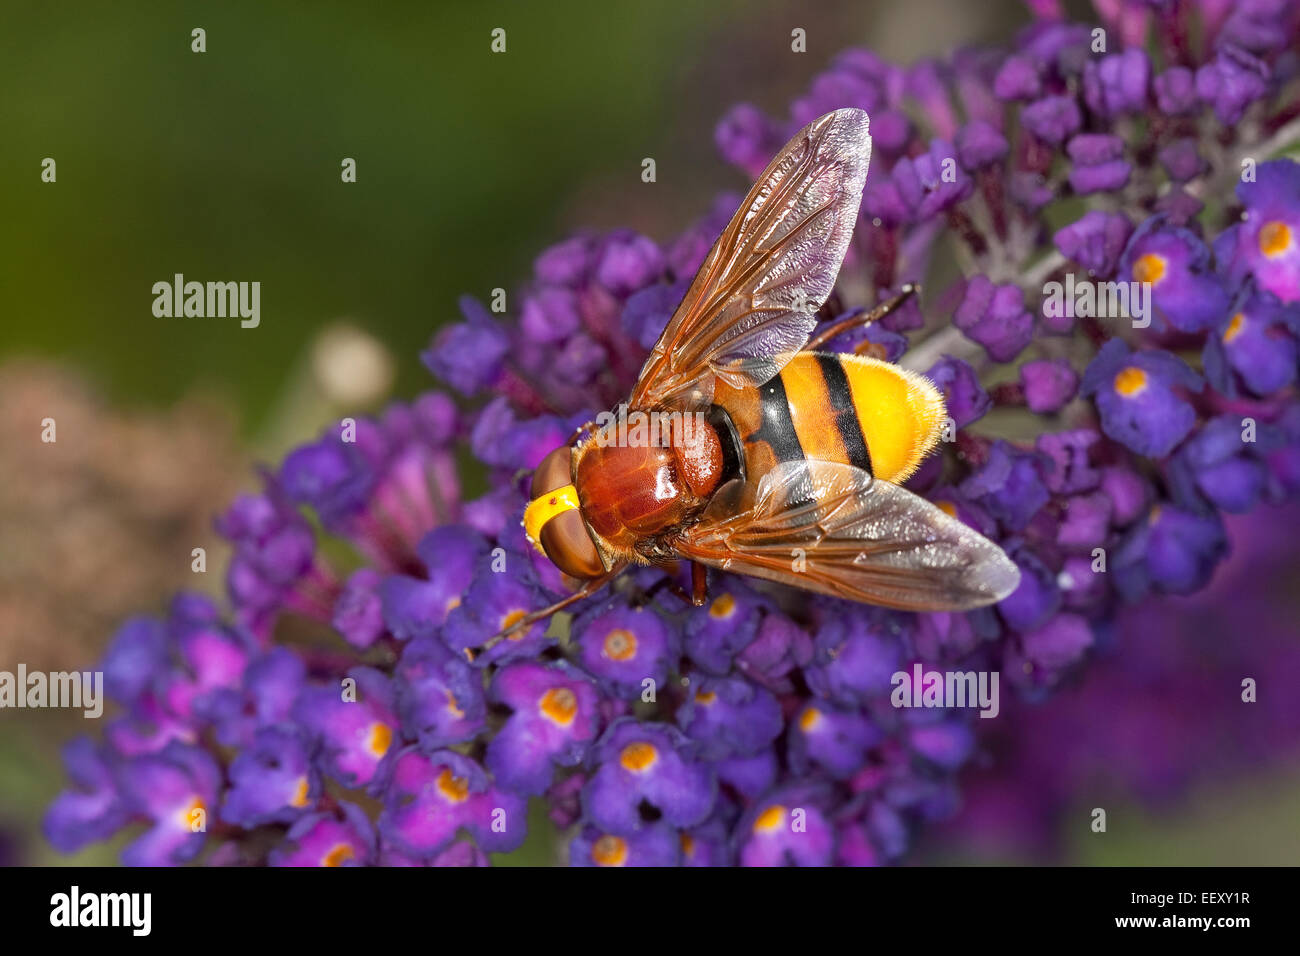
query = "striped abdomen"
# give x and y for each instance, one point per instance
(831, 407)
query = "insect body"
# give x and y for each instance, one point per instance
(777, 460)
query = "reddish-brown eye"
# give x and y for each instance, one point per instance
(564, 537)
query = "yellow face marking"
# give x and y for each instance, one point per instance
(809, 719)
(900, 413)
(947, 507)
(559, 705)
(543, 509)
(619, 645)
(609, 851)
(338, 854)
(1130, 381)
(705, 697)
(688, 844)
(1150, 268)
(300, 793)
(638, 757)
(1274, 238)
(770, 819)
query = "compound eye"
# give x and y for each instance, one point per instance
(567, 543)
(564, 536)
(554, 472)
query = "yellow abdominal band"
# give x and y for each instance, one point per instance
(543, 509)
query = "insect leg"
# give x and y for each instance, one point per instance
(699, 584)
(588, 588)
(857, 319)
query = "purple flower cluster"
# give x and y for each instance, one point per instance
(1187, 692)
(337, 716)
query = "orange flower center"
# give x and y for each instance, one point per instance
(1149, 268)
(620, 645)
(638, 757)
(1274, 238)
(339, 854)
(609, 851)
(723, 606)
(809, 719)
(1130, 381)
(1234, 327)
(770, 819)
(559, 705)
(381, 736)
(455, 789)
(510, 620)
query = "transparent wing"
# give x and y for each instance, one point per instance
(755, 298)
(832, 528)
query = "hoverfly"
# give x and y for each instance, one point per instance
(794, 473)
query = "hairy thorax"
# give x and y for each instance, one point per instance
(635, 491)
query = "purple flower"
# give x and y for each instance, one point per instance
(1176, 264)
(1010, 486)
(1176, 91)
(1174, 551)
(628, 262)
(439, 696)
(641, 765)
(429, 799)
(1255, 346)
(1048, 384)
(745, 138)
(932, 182)
(469, 356)
(655, 845)
(980, 144)
(1017, 79)
(1099, 165)
(556, 716)
(353, 723)
(1053, 118)
(176, 790)
(272, 781)
(93, 810)
(1268, 238)
(963, 396)
(1136, 397)
(995, 317)
(1096, 241)
(343, 838)
(730, 717)
(624, 647)
(1230, 82)
(1182, 160)
(1117, 83)
(833, 740)
(1218, 465)
(786, 828)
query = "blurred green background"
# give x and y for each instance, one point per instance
(225, 165)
